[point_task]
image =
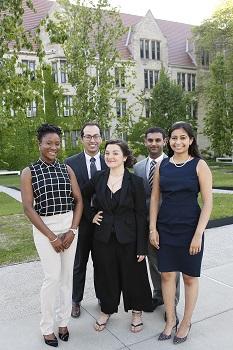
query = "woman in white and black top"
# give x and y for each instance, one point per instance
(53, 203)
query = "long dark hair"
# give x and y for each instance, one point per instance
(193, 148)
(131, 160)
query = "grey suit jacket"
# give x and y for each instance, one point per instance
(140, 170)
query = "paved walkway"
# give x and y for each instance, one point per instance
(212, 319)
(11, 192)
(16, 194)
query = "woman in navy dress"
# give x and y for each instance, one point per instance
(177, 223)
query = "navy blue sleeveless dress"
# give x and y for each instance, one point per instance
(178, 217)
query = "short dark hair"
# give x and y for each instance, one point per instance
(155, 129)
(131, 160)
(89, 124)
(48, 129)
(193, 148)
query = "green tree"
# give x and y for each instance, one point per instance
(215, 37)
(168, 103)
(219, 116)
(18, 88)
(89, 34)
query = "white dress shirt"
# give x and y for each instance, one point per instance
(150, 160)
(88, 162)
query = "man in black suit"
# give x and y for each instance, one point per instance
(84, 165)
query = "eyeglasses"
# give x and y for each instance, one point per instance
(89, 137)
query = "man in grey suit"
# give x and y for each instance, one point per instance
(155, 140)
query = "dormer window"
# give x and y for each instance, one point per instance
(150, 49)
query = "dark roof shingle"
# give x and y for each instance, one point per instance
(176, 33)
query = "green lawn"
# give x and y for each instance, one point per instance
(222, 175)
(9, 206)
(10, 180)
(222, 206)
(16, 242)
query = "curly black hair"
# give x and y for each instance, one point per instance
(47, 129)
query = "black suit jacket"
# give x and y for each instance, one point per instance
(78, 164)
(128, 220)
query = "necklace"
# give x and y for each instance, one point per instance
(112, 185)
(180, 165)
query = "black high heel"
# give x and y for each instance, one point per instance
(51, 342)
(178, 340)
(164, 336)
(64, 336)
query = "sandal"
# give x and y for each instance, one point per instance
(51, 342)
(100, 326)
(136, 316)
(64, 335)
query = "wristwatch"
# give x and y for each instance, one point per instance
(74, 230)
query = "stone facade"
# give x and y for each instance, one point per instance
(162, 43)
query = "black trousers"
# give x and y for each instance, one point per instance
(117, 270)
(84, 247)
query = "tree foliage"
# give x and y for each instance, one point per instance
(168, 103)
(89, 34)
(215, 36)
(17, 86)
(219, 117)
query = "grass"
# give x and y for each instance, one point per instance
(16, 241)
(222, 175)
(9, 206)
(10, 180)
(222, 206)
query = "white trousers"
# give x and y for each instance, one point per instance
(58, 273)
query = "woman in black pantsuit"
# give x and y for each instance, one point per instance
(120, 238)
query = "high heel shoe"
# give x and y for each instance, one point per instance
(136, 327)
(51, 342)
(178, 340)
(164, 336)
(64, 336)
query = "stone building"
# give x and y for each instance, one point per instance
(151, 43)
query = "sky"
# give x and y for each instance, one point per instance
(184, 11)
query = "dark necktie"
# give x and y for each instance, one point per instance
(151, 173)
(93, 169)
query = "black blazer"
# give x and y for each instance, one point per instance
(128, 220)
(78, 164)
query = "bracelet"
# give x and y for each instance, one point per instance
(151, 231)
(74, 230)
(54, 240)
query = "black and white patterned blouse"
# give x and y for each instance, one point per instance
(51, 188)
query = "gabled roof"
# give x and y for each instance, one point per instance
(176, 33)
(32, 19)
